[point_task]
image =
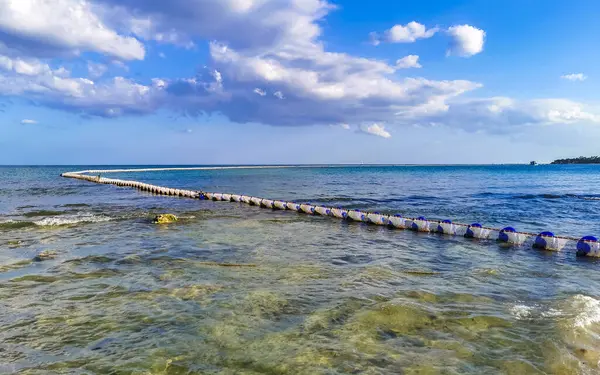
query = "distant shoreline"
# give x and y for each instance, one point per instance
(579, 160)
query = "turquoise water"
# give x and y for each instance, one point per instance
(89, 286)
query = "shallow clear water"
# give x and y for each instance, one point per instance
(89, 285)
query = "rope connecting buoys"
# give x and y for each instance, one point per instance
(586, 246)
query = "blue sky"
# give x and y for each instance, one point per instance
(298, 81)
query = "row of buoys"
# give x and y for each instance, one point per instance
(171, 169)
(159, 190)
(586, 246)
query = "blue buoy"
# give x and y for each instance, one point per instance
(415, 226)
(469, 233)
(541, 241)
(440, 229)
(503, 236)
(584, 247)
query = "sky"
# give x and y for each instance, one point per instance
(298, 81)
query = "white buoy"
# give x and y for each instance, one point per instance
(268, 203)
(293, 206)
(420, 225)
(377, 218)
(281, 205)
(446, 227)
(322, 210)
(307, 209)
(511, 236)
(357, 215)
(340, 213)
(397, 221)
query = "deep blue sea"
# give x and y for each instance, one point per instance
(88, 285)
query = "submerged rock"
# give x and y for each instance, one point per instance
(45, 255)
(164, 219)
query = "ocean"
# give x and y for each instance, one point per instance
(88, 285)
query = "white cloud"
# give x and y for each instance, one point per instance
(28, 122)
(96, 70)
(410, 61)
(500, 114)
(375, 129)
(574, 77)
(29, 67)
(345, 126)
(404, 34)
(162, 55)
(260, 47)
(59, 27)
(244, 24)
(466, 40)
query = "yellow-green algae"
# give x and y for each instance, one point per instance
(15, 266)
(265, 303)
(164, 219)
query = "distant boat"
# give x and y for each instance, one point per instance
(532, 163)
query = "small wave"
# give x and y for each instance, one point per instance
(15, 224)
(43, 213)
(587, 310)
(71, 220)
(557, 196)
(521, 311)
(543, 196)
(54, 221)
(579, 311)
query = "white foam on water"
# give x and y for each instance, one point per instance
(521, 311)
(587, 310)
(71, 219)
(581, 311)
(551, 313)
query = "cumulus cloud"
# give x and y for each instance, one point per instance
(500, 114)
(319, 87)
(42, 28)
(410, 61)
(466, 40)
(375, 129)
(404, 34)
(574, 77)
(244, 24)
(266, 64)
(115, 97)
(345, 126)
(28, 122)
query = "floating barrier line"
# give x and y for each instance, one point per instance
(106, 171)
(586, 246)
